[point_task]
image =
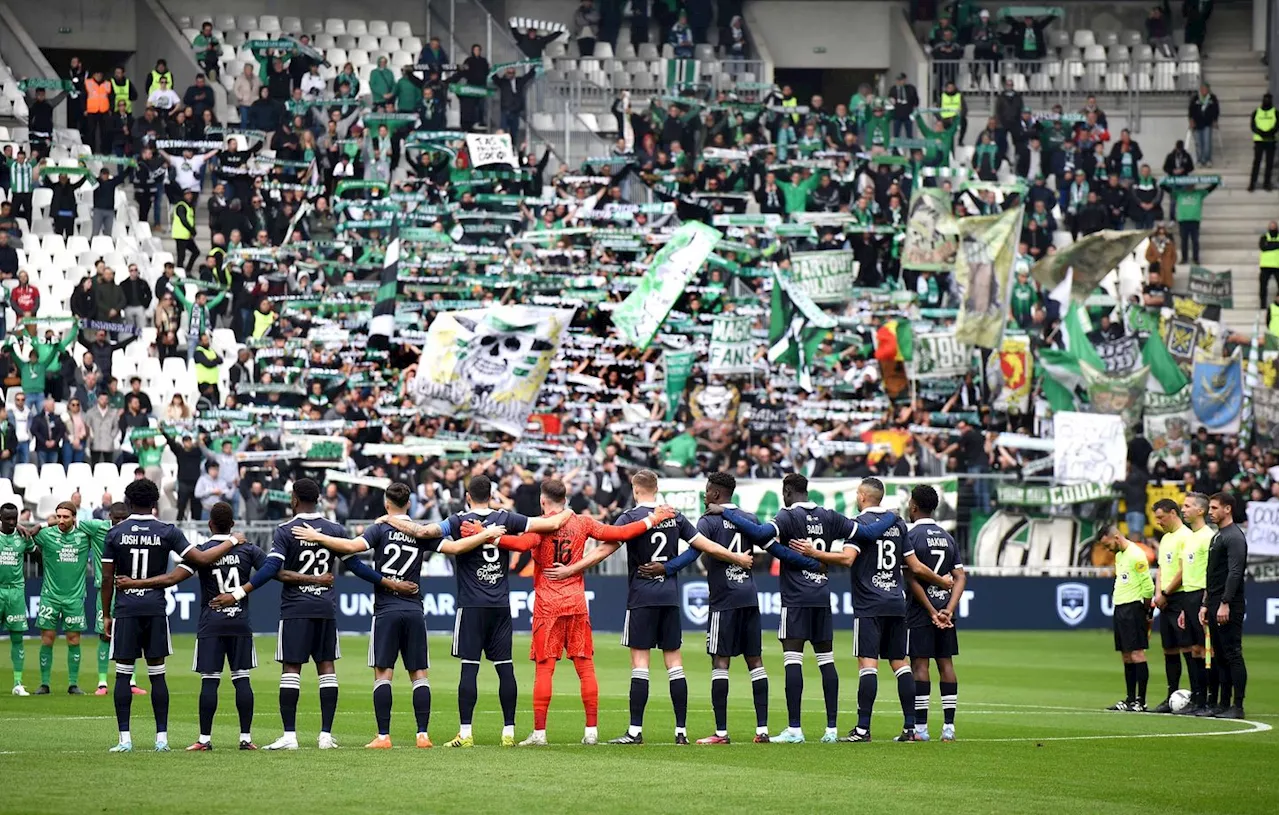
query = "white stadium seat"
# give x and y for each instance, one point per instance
(357, 27)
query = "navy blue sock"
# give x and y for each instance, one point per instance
(923, 689)
(948, 691)
(720, 698)
(159, 697)
(906, 696)
(507, 691)
(123, 696)
(760, 695)
(382, 705)
(867, 686)
(467, 693)
(290, 690)
(679, 687)
(328, 701)
(830, 685)
(208, 703)
(793, 668)
(1173, 671)
(244, 701)
(639, 696)
(422, 703)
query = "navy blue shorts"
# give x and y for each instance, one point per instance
(238, 653)
(399, 635)
(810, 623)
(479, 630)
(880, 637)
(931, 642)
(134, 638)
(307, 639)
(650, 627)
(734, 632)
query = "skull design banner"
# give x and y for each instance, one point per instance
(488, 364)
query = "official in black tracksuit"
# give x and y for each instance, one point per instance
(190, 465)
(1223, 609)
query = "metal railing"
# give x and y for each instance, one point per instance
(1122, 85)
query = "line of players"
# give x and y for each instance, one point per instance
(805, 538)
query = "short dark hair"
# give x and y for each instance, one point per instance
(795, 483)
(873, 485)
(142, 494)
(1165, 505)
(1201, 500)
(220, 519)
(306, 490)
(119, 510)
(480, 488)
(1226, 499)
(8, 508)
(923, 496)
(555, 490)
(397, 494)
(210, 465)
(724, 481)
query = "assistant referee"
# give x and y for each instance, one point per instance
(1131, 606)
(1223, 609)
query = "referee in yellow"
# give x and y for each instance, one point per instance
(1175, 636)
(1131, 601)
(1195, 563)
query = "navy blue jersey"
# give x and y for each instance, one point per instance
(140, 546)
(308, 558)
(729, 585)
(399, 557)
(482, 572)
(878, 588)
(228, 573)
(827, 530)
(936, 549)
(658, 545)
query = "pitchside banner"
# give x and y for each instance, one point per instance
(988, 603)
(827, 277)
(764, 496)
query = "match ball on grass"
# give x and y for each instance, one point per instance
(1179, 700)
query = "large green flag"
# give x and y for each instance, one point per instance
(1062, 376)
(988, 245)
(679, 366)
(1075, 331)
(643, 312)
(1166, 376)
(796, 328)
(1090, 259)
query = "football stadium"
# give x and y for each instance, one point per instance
(662, 403)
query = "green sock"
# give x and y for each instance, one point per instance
(18, 653)
(104, 650)
(46, 663)
(73, 664)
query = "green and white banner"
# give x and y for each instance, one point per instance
(1032, 496)
(1090, 259)
(679, 365)
(1120, 395)
(984, 261)
(939, 355)
(1167, 424)
(1210, 288)
(732, 347)
(764, 496)
(488, 364)
(827, 277)
(932, 234)
(640, 316)
(797, 327)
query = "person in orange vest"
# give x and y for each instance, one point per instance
(97, 109)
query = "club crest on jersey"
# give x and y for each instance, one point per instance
(1073, 602)
(696, 599)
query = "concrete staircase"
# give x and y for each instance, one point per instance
(1234, 218)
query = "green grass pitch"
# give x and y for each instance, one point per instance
(1032, 738)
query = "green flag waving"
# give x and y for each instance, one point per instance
(796, 328)
(1166, 376)
(640, 316)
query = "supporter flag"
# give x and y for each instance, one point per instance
(681, 73)
(1166, 376)
(1089, 260)
(894, 342)
(984, 261)
(1217, 394)
(383, 324)
(488, 364)
(1118, 395)
(1015, 378)
(1062, 378)
(1075, 333)
(640, 316)
(796, 328)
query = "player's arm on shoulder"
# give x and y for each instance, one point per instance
(341, 546)
(175, 576)
(519, 543)
(270, 570)
(366, 573)
(108, 588)
(549, 524)
(869, 526)
(793, 558)
(462, 545)
(292, 578)
(921, 571)
(845, 556)
(596, 555)
(605, 532)
(198, 557)
(702, 543)
(754, 531)
(412, 528)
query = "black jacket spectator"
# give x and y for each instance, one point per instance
(1203, 114)
(46, 427)
(511, 92)
(1009, 106)
(104, 195)
(1027, 36)
(530, 44)
(905, 100)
